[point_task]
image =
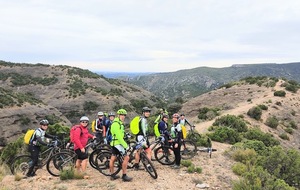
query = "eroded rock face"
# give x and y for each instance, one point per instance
(16, 120)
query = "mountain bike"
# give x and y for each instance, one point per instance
(106, 147)
(188, 149)
(63, 160)
(208, 149)
(22, 163)
(163, 153)
(193, 134)
(103, 159)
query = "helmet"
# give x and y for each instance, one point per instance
(100, 113)
(146, 109)
(84, 118)
(160, 109)
(111, 114)
(44, 122)
(182, 114)
(165, 116)
(122, 112)
(176, 115)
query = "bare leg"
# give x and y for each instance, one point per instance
(78, 164)
(83, 165)
(111, 164)
(124, 164)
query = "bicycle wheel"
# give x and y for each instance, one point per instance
(164, 155)
(148, 165)
(21, 164)
(93, 156)
(188, 149)
(102, 163)
(60, 161)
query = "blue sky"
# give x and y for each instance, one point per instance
(149, 36)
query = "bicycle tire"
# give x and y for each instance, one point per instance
(188, 149)
(21, 164)
(148, 165)
(165, 155)
(102, 163)
(93, 156)
(59, 162)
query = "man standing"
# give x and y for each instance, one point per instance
(98, 126)
(119, 146)
(176, 135)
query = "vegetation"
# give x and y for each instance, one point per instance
(231, 121)
(8, 98)
(280, 93)
(272, 122)
(21, 80)
(206, 113)
(255, 112)
(261, 81)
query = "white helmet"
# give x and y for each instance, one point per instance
(100, 113)
(84, 118)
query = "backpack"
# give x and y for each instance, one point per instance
(28, 136)
(135, 125)
(72, 130)
(102, 123)
(183, 130)
(156, 130)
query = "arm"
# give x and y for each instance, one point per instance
(76, 137)
(120, 137)
(143, 126)
(49, 136)
(188, 123)
(39, 140)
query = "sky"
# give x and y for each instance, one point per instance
(149, 35)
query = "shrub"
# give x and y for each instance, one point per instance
(244, 156)
(289, 130)
(256, 145)
(266, 138)
(186, 163)
(272, 122)
(233, 122)
(293, 125)
(225, 134)
(255, 112)
(239, 168)
(284, 136)
(208, 113)
(90, 106)
(263, 107)
(280, 93)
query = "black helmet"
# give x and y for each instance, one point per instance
(182, 114)
(165, 116)
(44, 122)
(146, 109)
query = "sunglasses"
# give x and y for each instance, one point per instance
(123, 114)
(84, 122)
(44, 125)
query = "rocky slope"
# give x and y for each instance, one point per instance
(62, 94)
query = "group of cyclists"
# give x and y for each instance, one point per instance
(110, 129)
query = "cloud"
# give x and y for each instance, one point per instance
(149, 36)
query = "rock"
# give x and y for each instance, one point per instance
(202, 186)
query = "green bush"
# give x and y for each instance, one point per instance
(272, 122)
(284, 136)
(225, 134)
(239, 168)
(186, 163)
(256, 145)
(231, 121)
(280, 93)
(208, 113)
(257, 134)
(244, 156)
(283, 164)
(90, 106)
(289, 130)
(263, 107)
(255, 112)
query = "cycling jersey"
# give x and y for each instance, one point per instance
(117, 132)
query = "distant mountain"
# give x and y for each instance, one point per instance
(193, 82)
(121, 75)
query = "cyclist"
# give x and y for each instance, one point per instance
(36, 141)
(99, 125)
(163, 128)
(81, 136)
(119, 146)
(176, 134)
(142, 136)
(111, 117)
(183, 120)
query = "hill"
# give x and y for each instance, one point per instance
(216, 171)
(193, 82)
(62, 94)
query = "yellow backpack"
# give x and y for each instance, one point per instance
(28, 135)
(135, 125)
(184, 132)
(156, 130)
(93, 126)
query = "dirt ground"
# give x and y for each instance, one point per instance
(216, 174)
